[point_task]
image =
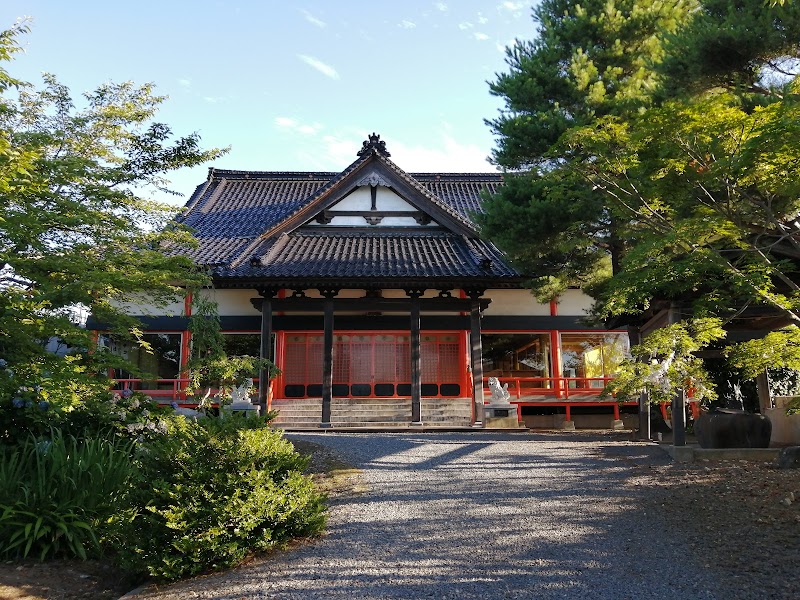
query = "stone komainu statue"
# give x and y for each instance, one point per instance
(500, 393)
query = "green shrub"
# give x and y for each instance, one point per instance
(212, 492)
(57, 494)
(38, 396)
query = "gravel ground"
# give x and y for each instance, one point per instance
(484, 515)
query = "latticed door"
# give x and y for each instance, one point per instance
(302, 365)
(373, 364)
(442, 365)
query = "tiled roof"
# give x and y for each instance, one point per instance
(406, 254)
(462, 192)
(232, 213)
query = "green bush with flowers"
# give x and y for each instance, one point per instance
(86, 471)
(165, 495)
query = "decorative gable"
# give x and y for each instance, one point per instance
(373, 202)
(372, 192)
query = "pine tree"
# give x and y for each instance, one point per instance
(588, 61)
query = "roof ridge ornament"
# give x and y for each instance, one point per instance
(373, 180)
(373, 144)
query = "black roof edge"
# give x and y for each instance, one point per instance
(215, 173)
(368, 283)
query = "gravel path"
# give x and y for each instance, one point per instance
(480, 515)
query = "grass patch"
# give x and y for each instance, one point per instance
(331, 474)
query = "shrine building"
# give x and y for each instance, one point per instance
(374, 293)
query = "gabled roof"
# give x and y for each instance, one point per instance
(250, 225)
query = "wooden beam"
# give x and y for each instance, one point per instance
(327, 364)
(265, 353)
(679, 399)
(477, 362)
(416, 366)
(402, 305)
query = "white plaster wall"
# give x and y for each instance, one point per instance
(142, 308)
(403, 222)
(343, 221)
(361, 199)
(504, 302)
(574, 303)
(233, 303)
(386, 199)
(359, 221)
(427, 294)
(314, 293)
(511, 303)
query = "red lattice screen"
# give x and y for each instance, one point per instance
(371, 364)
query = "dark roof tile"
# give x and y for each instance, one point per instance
(429, 254)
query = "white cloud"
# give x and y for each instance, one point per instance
(340, 151)
(512, 6)
(448, 157)
(406, 24)
(465, 25)
(480, 36)
(501, 47)
(320, 66)
(297, 127)
(443, 153)
(185, 82)
(314, 20)
(481, 19)
(441, 6)
(285, 122)
(309, 129)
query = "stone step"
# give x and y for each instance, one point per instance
(377, 416)
(372, 413)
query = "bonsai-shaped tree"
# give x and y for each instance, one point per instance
(213, 375)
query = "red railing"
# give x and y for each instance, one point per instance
(521, 388)
(176, 392)
(564, 392)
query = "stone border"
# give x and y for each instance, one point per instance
(688, 454)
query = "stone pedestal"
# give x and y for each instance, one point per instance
(248, 409)
(240, 400)
(568, 426)
(501, 416)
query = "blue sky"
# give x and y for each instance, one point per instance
(292, 85)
